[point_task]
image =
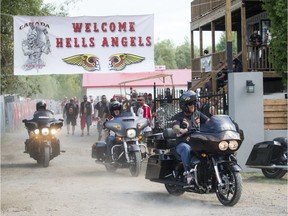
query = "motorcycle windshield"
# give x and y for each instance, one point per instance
(124, 121)
(218, 128)
(218, 123)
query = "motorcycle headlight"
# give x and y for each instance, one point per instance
(36, 131)
(45, 131)
(233, 145)
(223, 145)
(131, 133)
(53, 131)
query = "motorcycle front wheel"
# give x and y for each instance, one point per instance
(135, 166)
(46, 158)
(274, 173)
(230, 192)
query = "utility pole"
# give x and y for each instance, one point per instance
(228, 26)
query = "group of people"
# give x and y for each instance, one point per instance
(189, 118)
(101, 111)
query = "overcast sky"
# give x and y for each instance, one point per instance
(171, 18)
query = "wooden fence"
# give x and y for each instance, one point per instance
(275, 114)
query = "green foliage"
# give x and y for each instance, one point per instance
(221, 45)
(277, 13)
(173, 57)
(183, 55)
(165, 54)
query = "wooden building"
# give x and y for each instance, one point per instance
(246, 17)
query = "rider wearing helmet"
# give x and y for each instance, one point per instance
(188, 119)
(115, 110)
(41, 111)
(41, 114)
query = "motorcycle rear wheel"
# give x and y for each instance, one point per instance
(135, 167)
(110, 168)
(274, 173)
(230, 193)
(174, 190)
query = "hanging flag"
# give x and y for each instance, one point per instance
(75, 45)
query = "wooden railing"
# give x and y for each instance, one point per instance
(258, 58)
(275, 114)
(200, 7)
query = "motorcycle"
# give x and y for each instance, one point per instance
(43, 145)
(270, 157)
(127, 150)
(213, 165)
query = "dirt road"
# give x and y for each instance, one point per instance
(73, 185)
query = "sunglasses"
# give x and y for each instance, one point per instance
(191, 103)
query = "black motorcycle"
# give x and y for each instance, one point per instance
(214, 166)
(270, 157)
(43, 145)
(127, 150)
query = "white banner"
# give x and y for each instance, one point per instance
(73, 45)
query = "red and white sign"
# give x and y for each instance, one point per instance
(73, 45)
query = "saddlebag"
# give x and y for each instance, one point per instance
(165, 140)
(262, 153)
(99, 150)
(158, 166)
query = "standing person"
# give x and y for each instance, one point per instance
(101, 111)
(206, 107)
(144, 111)
(126, 106)
(150, 101)
(85, 115)
(71, 112)
(188, 119)
(255, 41)
(63, 103)
(221, 76)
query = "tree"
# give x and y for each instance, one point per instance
(277, 13)
(164, 52)
(183, 55)
(221, 45)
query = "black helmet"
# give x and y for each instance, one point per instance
(115, 105)
(41, 105)
(187, 97)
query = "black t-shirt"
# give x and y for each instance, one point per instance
(102, 108)
(195, 120)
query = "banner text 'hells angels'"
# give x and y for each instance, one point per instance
(70, 45)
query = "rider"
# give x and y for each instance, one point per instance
(115, 110)
(40, 113)
(188, 119)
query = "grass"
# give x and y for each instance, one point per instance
(259, 177)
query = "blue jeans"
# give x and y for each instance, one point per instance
(109, 141)
(184, 150)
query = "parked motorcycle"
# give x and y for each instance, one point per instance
(270, 157)
(43, 145)
(127, 151)
(214, 166)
